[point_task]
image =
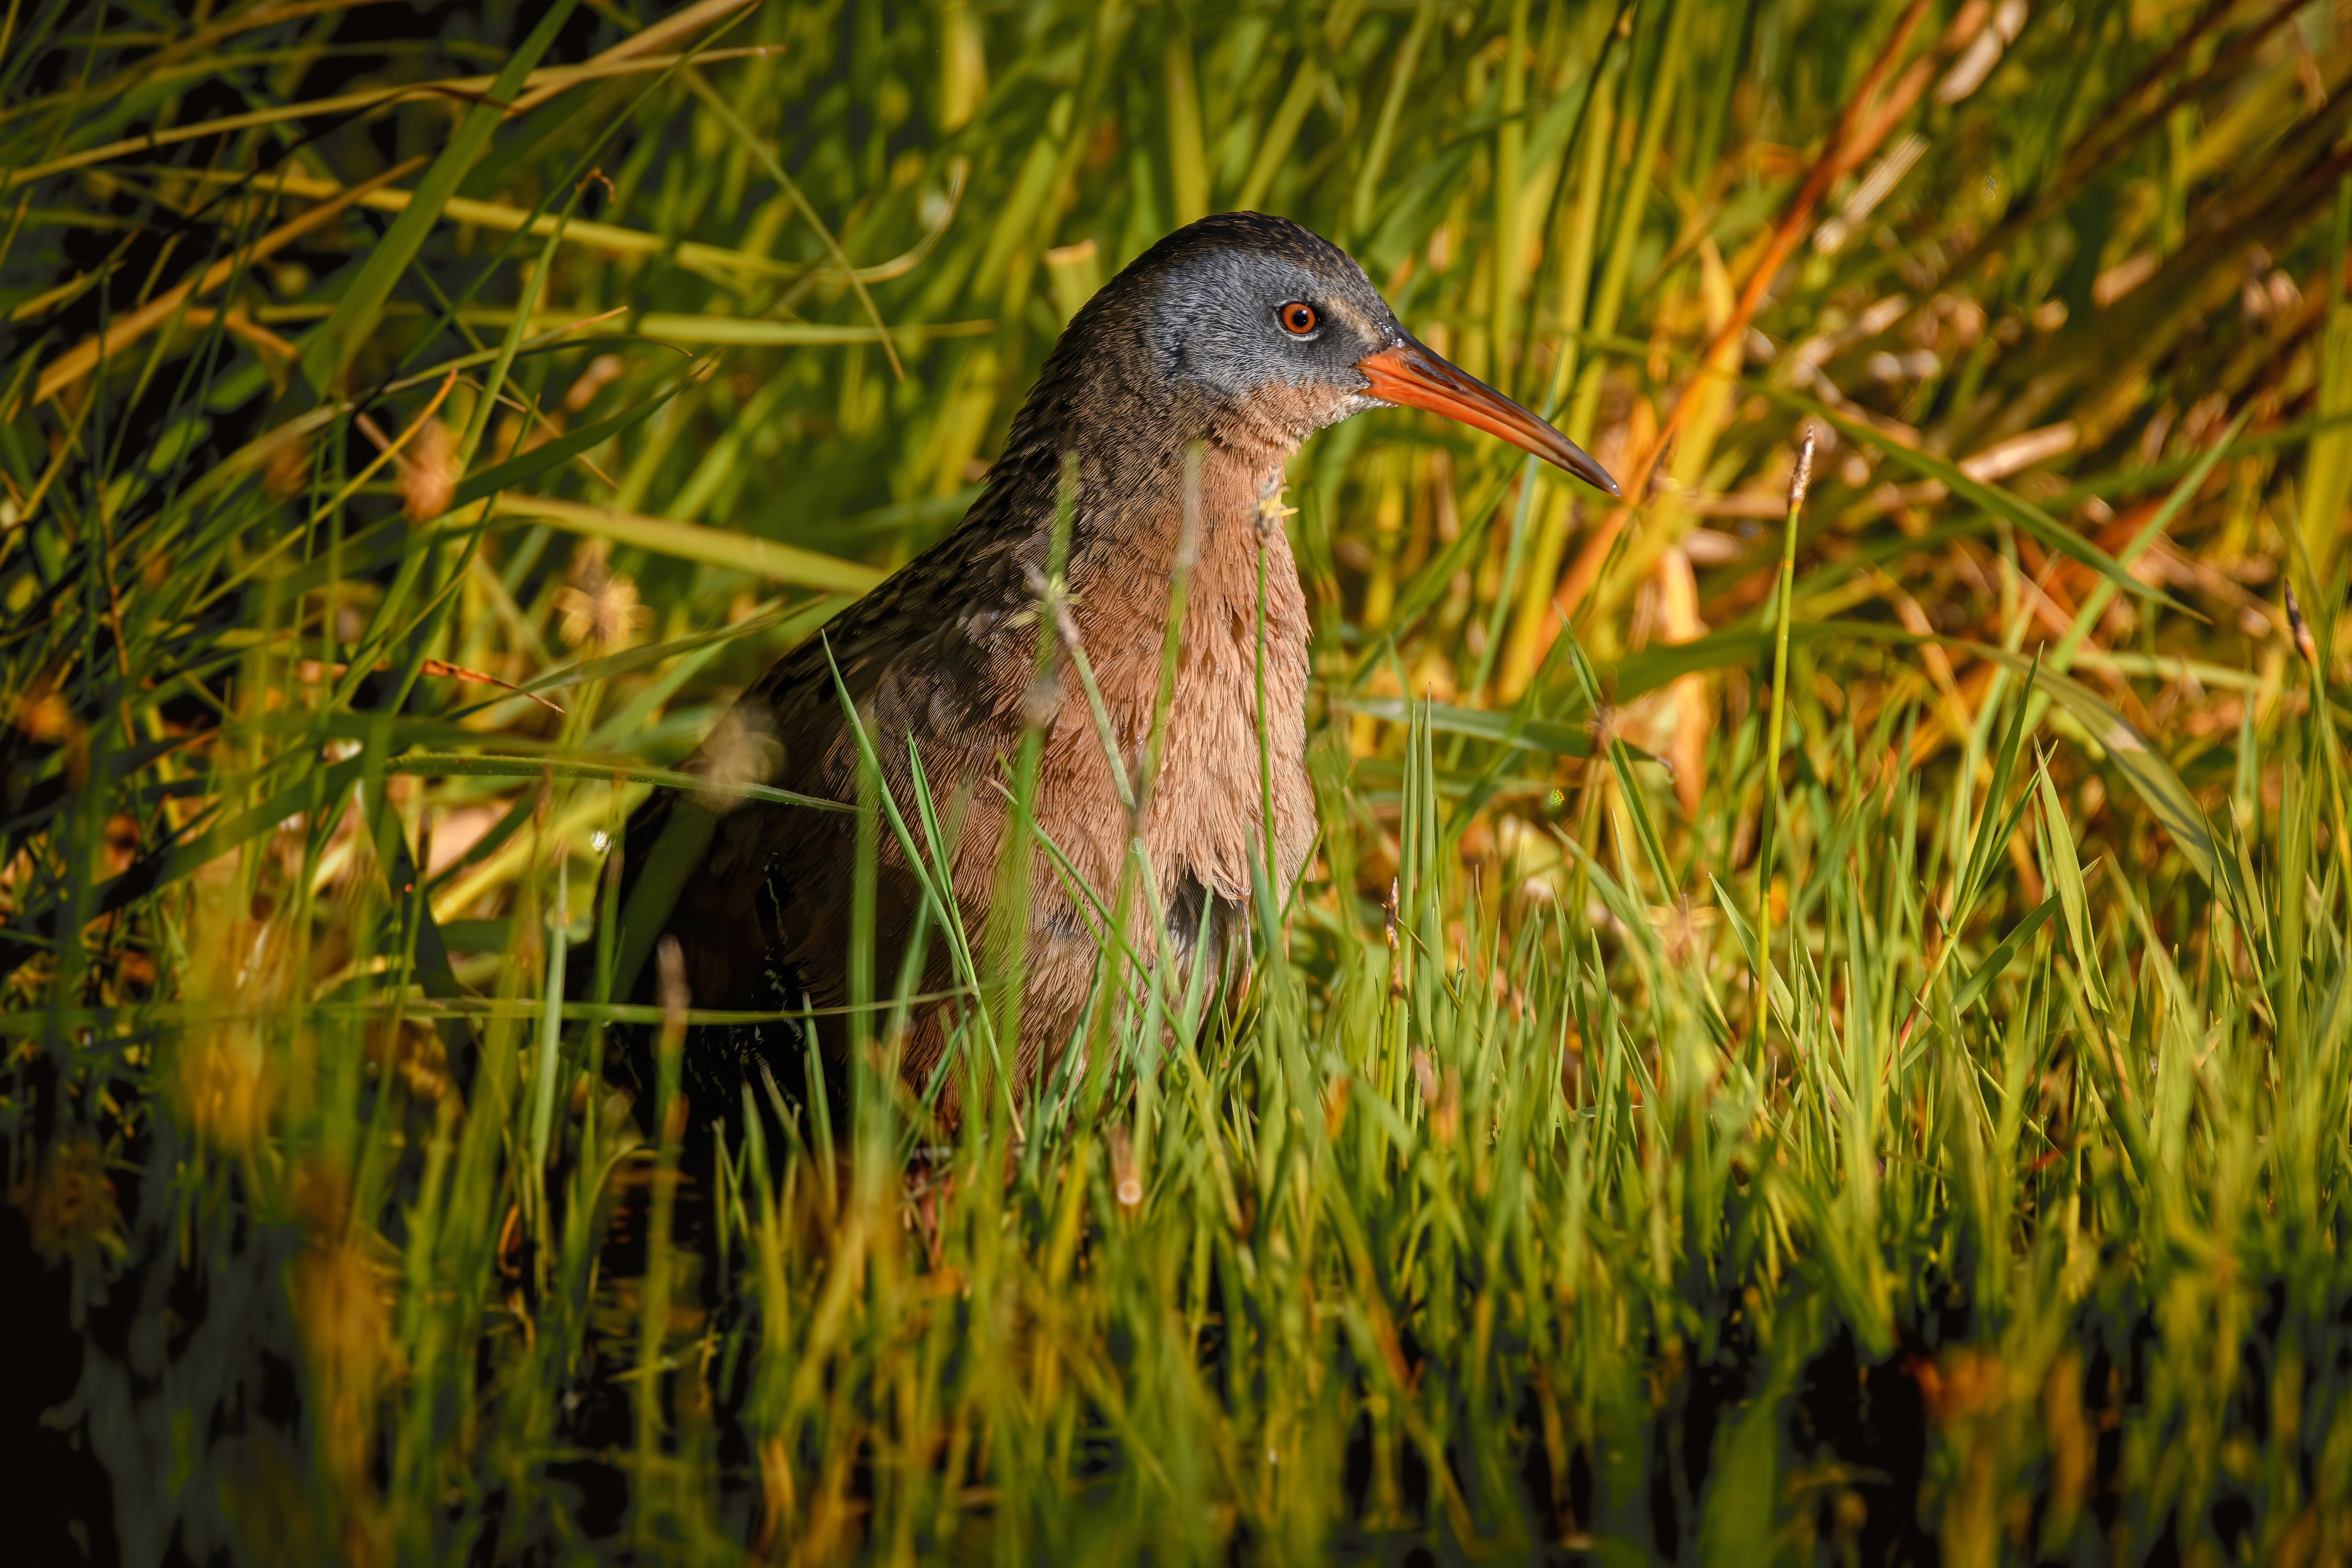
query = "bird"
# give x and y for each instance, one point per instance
(1160, 425)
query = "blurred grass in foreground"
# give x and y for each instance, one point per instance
(358, 360)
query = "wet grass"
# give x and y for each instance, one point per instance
(414, 426)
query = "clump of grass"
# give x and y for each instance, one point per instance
(413, 429)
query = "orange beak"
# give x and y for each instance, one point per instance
(1411, 375)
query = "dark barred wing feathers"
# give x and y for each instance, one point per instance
(757, 893)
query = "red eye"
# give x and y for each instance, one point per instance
(1298, 317)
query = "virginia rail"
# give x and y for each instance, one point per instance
(1215, 354)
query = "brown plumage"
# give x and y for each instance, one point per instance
(1238, 335)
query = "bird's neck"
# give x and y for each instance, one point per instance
(1213, 499)
(1163, 478)
(1217, 467)
(1217, 518)
(1160, 490)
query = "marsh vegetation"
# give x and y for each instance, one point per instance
(1923, 1139)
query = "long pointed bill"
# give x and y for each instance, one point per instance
(1411, 374)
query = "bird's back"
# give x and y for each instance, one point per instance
(758, 892)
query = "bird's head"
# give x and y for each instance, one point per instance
(1279, 327)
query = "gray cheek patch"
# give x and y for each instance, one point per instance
(1213, 323)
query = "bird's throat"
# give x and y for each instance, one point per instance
(1244, 632)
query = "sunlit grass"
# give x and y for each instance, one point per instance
(396, 481)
